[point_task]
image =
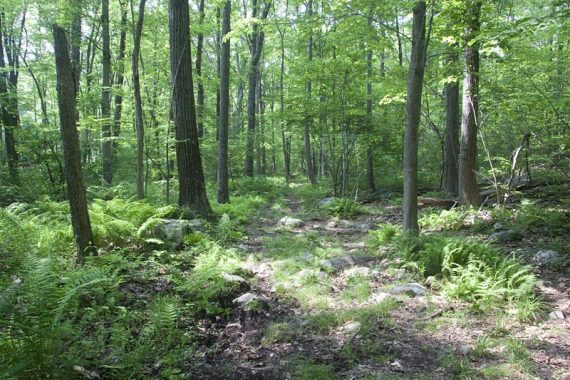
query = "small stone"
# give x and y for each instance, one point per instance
(342, 262)
(557, 314)
(413, 289)
(464, 350)
(290, 222)
(545, 257)
(351, 327)
(357, 271)
(565, 376)
(233, 278)
(379, 297)
(250, 301)
(504, 236)
(311, 272)
(498, 227)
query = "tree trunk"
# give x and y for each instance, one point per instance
(9, 96)
(256, 46)
(413, 113)
(285, 139)
(223, 195)
(192, 188)
(120, 78)
(72, 156)
(309, 119)
(199, 54)
(369, 150)
(451, 149)
(106, 145)
(139, 125)
(468, 191)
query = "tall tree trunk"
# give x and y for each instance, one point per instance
(139, 124)
(223, 195)
(413, 114)
(285, 139)
(9, 92)
(309, 118)
(76, 44)
(451, 148)
(106, 145)
(71, 153)
(199, 54)
(369, 150)
(192, 187)
(256, 46)
(468, 191)
(120, 75)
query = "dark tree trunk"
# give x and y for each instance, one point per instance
(192, 188)
(199, 54)
(76, 44)
(256, 46)
(451, 149)
(468, 191)
(71, 153)
(285, 139)
(223, 195)
(120, 76)
(309, 118)
(9, 94)
(106, 145)
(139, 125)
(413, 113)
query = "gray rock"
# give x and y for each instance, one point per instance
(351, 327)
(504, 236)
(290, 222)
(197, 225)
(347, 224)
(379, 297)
(565, 376)
(327, 201)
(312, 272)
(169, 231)
(413, 289)
(342, 262)
(250, 301)
(357, 271)
(557, 314)
(307, 256)
(233, 278)
(546, 257)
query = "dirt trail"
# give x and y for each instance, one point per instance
(317, 324)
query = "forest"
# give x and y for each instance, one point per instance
(284, 189)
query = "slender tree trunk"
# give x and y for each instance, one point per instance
(285, 139)
(256, 46)
(106, 145)
(139, 124)
(413, 114)
(199, 54)
(223, 195)
(369, 150)
(468, 191)
(309, 119)
(76, 44)
(192, 187)
(120, 76)
(71, 153)
(451, 148)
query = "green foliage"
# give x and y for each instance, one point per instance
(344, 208)
(383, 235)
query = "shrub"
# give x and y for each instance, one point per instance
(344, 207)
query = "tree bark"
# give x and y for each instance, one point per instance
(139, 125)
(309, 119)
(256, 46)
(120, 75)
(72, 156)
(192, 187)
(106, 145)
(413, 114)
(223, 195)
(451, 148)
(370, 149)
(285, 139)
(199, 54)
(468, 191)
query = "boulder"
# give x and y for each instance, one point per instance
(357, 271)
(504, 236)
(327, 201)
(169, 232)
(557, 314)
(413, 289)
(343, 262)
(287, 221)
(546, 257)
(250, 302)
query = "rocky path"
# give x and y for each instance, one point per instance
(319, 303)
